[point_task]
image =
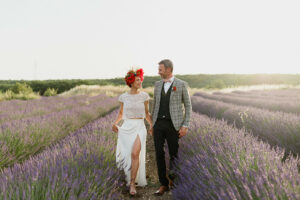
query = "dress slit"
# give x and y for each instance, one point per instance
(129, 132)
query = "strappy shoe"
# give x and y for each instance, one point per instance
(132, 192)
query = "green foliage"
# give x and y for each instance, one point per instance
(50, 92)
(22, 88)
(216, 84)
(19, 91)
(216, 81)
(8, 95)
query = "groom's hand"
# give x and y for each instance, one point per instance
(183, 131)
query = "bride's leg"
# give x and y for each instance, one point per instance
(136, 149)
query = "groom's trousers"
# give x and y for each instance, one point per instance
(164, 130)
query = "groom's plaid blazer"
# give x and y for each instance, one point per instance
(180, 103)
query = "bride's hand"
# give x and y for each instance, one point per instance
(151, 131)
(115, 128)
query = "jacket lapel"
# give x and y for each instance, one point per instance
(173, 85)
(159, 90)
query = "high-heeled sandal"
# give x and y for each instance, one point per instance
(132, 193)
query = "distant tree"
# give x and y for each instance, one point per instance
(216, 84)
(50, 92)
(22, 88)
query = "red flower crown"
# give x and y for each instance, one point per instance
(130, 76)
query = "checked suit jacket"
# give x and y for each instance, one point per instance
(180, 103)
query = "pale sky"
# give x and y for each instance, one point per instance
(66, 39)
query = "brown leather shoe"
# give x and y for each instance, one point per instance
(171, 184)
(162, 189)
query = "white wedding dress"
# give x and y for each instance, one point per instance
(133, 107)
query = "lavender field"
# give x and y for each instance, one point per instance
(280, 94)
(269, 102)
(81, 166)
(218, 161)
(19, 109)
(63, 148)
(276, 128)
(45, 122)
(290, 93)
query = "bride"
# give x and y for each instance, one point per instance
(131, 144)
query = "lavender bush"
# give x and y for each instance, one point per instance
(19, 109)
(218, 161)
(21, 138)
(285, 105)
(81, 166)
(276, 128)
(291, 95)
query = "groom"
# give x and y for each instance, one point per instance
(169, 121)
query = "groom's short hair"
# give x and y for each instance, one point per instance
(167, 63)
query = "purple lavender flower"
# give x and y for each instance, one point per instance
(218, 161)
(80, 166)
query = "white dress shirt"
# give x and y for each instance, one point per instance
(168, 84)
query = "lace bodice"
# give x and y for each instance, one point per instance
(134, 106)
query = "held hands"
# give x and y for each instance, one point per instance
(150, 131)
(115, 128)
(183, 131)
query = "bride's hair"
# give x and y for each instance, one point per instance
(131, 74)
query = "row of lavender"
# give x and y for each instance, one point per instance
(293, 93)
(279, 94)
(276, 128)
(217, 161)
(21, 138)
(272, 104)
(81, 166)
(20, 109)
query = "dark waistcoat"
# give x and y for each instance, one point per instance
(164, 108)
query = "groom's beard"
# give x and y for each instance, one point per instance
(163, 77)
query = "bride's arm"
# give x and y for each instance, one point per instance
(148, 115)
(119, 118)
